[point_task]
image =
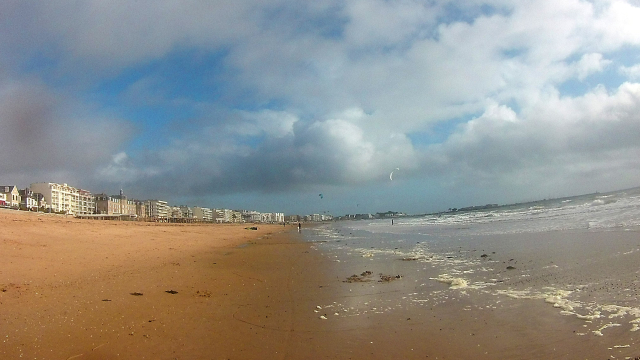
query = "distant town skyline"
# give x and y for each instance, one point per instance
(266, 104)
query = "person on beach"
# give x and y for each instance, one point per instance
(299, 227)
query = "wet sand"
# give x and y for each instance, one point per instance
(69, 292)
(500, 314)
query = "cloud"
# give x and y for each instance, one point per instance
(241, 96)
(632, 72)
(44, 130)
(589, 64)
(561, 140)
(289, 156)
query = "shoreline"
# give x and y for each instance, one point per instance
(83, 289)
(423, 315)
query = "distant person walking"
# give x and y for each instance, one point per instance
(299, 227)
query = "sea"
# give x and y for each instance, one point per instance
(577, 257)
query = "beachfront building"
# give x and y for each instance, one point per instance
(86, 202)
(204, 214)
(30, 200)
(252, 216)
(114, 204)
(12, 195)
(292, 218)
(176, 213)
(141, 208)
(106, 205)
(158, 209)
(63, 198)
(186, 212)
(277, 217)
(228, 216)
(127, 207)
(3, 199)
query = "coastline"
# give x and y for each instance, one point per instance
(83, 289)
(423, 316)
(223, 292)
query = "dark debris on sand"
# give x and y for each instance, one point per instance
(410, 259)
(389, 278)
(366, 277)
(136, 294)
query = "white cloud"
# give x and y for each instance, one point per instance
(271, 123)
(589, 64)
(561, 140)
(382, 23)
(326, 92)
(632, 72)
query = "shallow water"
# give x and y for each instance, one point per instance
(577, 256)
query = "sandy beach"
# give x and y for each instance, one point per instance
(87, 289)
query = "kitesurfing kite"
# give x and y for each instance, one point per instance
(391, 175)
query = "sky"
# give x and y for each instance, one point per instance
(265, 105)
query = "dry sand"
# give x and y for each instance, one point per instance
(67, 290)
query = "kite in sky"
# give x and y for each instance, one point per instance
(391, 175)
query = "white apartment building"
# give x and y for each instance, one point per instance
(158, 209)
(176, 212)
(86, 202)
(272, 218)
(186, 212)
(277, 217)
(65, 198)
(266, 218)
(227, 215)
(252, 216)
(204, 214)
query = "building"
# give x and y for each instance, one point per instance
(277, 217)
(186, 212)
(204, 214)
(292, 218)
(127, 207)
(86, 202)
(158, 209)
(228, 216)
(30, 200)
(176, 212)
(252, 216)
(141, 208)
(12, 195)
(114, 205)
(63, 198)
(266, 218)
(106, 205)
